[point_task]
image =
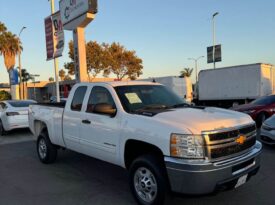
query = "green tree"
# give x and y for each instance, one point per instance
(186, 72)
(70, 65)
(62, 74)
(4, 95)
(95, 58)
(67, 77)
(123, 63)
(96, 61)
(106, 59)
(51, 79)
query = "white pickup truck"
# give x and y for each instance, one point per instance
(144, 127)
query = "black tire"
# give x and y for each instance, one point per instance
(47, 152)
(260, 119)
(2, 129)
(148, 164)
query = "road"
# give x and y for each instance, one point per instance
(77, 179)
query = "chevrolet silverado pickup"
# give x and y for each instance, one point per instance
(164, 143)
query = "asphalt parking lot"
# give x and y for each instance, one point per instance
(77, 179)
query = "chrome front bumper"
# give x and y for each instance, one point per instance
(202, 177)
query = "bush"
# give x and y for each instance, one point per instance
(4, 95)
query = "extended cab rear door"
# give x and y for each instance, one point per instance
(72, 119)
(100, 132)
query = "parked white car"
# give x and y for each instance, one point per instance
(268, 131)
(14, 114)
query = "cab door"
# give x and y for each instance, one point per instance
(72, 119)
(100, 132)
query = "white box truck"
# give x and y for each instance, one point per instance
(236, 84)
(181, 86)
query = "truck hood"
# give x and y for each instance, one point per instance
(197, 120)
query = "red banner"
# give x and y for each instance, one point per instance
(49, 37)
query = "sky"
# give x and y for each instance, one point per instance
(163, 33)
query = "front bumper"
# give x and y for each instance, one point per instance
(201, 177)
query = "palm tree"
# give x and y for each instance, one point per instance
(10, 46)
(2, 28)
(186, 72)
(25, 78)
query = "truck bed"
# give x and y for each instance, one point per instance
(55, 104)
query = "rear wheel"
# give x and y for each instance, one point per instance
(2, 129)
(148, 181)
(260, 119)
(47, 152)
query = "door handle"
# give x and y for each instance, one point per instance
(86, 121)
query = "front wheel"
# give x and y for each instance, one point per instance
(260, 119)
(147, 181)
(47, 152)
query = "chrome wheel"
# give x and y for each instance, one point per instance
(42, 148)
(145, 184)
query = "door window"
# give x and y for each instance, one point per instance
(99, 95)
(78, 98)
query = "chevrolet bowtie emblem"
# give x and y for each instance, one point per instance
(241, 139)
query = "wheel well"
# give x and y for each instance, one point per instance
(135, 148)
(39, 127)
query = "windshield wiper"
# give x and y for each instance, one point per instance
(180, 105)
(152, 107)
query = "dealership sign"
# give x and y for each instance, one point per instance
(218, 54)
(13, 74)
(54, 36)
(73, 9)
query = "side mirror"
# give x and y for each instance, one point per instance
(105, 109)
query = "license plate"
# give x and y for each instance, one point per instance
(241, 181)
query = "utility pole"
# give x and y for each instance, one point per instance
(20, 67)
(214, 37)
(55, 65)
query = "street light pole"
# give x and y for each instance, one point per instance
(196, 66)
(214, 37)
(196, 72)
(20, 66)
(55, 65)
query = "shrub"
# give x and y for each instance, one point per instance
(4, 95)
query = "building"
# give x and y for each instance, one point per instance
(4, 87)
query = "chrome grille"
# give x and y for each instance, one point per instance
(223, 143)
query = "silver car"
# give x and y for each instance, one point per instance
(268, 131)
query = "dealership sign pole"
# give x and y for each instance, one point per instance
(54, 42)
(75, 16)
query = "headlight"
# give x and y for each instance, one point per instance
(187, 146)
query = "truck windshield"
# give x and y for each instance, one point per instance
(145, 97)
